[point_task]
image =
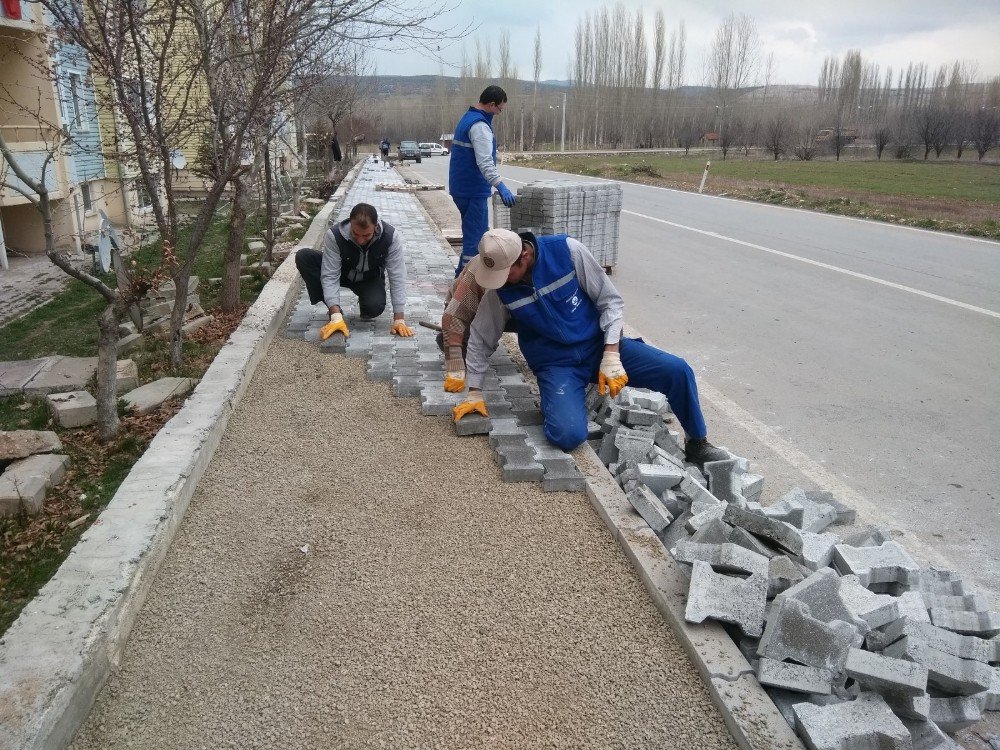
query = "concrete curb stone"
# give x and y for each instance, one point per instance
(55, 658)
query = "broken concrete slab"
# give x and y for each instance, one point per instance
(961, 603)
(24, 483)
(782, 574)
(982, 624)
(884, 674)
(724, 480)
(927, 735)
(875, 609)
(817, 549)
(151, 396)
(783, 534)
(946, 672)
(793, 633)
(127, 376)
(744, 538)
(955, 713)
(650, 507)
(794, 677)
(821, 593)
(887, 563)
(911, 604)
(863, 724)
(18, 444)
(129, 343)
(962, 646)
(73, 409)
(724, 558)
(62, 374)
(739, 601)
(15, 375)
(659, 477)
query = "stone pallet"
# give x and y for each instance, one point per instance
(858, 644)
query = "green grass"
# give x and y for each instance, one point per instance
(67, 325)
(20, 413)
(932, 179)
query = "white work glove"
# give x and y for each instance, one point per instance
(612, 376)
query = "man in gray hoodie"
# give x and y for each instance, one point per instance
(357, 254)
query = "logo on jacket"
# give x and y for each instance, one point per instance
(575, 302)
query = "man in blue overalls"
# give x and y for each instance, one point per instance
(569, 327)
(472, 170)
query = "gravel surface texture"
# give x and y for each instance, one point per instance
(352, 575)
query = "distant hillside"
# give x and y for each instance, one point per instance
(387, 86)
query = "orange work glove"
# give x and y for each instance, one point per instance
(612, 376)
(336, 323)
(454, 382)
(473, 403)
(400, 328)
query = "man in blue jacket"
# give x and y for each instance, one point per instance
(569, 320)
(472, 170)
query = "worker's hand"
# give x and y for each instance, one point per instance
(454, 381)
(506, 196)
(400, 328)
(336, 323)
(473, 403)
(612, 376)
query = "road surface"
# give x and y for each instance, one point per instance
(851, 355)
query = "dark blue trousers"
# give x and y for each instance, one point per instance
(475, 223)
(562, 389)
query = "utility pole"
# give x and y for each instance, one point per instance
(564, 123)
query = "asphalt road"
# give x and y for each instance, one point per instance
(856, 356)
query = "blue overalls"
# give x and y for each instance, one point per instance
(558, 330)
(468, 188)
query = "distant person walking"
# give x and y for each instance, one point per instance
(384, 148)
(472, 171)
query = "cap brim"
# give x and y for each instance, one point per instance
(487, 278)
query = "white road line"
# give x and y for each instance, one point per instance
(818, 264)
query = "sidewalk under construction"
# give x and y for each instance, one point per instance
(351, 574)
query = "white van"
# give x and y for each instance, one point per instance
(433, 149)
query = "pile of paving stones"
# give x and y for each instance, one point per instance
(156, 308)
(586, 210)
(856, 643)
(30, 463)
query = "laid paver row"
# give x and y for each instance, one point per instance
(416, 365)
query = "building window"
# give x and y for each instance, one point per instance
(144, 201)
(88, 200)
(76, 103)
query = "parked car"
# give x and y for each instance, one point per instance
(433, 149)
(409, 150)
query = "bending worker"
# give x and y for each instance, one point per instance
(569, 326)
(472, 170)
(357, 254)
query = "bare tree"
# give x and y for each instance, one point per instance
(732, 64)
(881, 137)
(536, 69)
(776, 134)
(985, 130)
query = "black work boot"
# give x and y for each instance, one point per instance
(699, 451)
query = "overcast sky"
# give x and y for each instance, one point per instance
(801, 33)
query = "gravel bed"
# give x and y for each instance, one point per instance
(350, 574)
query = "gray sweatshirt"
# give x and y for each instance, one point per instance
(492, 316)
(395, 266)
(482, 144)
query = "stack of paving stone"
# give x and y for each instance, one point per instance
(586, 210)
(157, 307)
(856, 643)
(30, 463)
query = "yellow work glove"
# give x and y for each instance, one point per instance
(473, 403)
(400, 328)
(336, 324)
(454, 382)
(612, 376)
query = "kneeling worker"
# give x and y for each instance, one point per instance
(357, 254)
(569, 327)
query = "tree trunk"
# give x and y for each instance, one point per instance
(268, 203)
(180, 277)
(234, 247)
(107, 374)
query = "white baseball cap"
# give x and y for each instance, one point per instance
(499, 249)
